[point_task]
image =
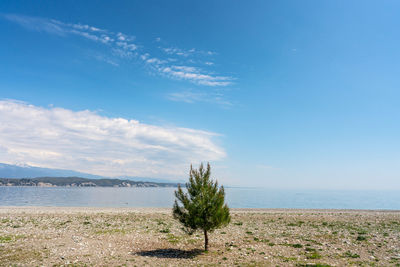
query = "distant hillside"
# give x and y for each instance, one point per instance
(78, 182)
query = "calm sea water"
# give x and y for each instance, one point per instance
(164, 197)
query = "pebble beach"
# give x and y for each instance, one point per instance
(68, 236)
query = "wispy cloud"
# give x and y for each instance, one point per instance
(185, 52)
(177, 51)
(86, 141)
(123, 46)
(106, 59)
(52, 26)
(193, 96)
(196, 75)
(37, 24)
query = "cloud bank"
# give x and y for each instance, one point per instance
(88, 142)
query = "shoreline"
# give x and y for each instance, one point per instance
(91, 209)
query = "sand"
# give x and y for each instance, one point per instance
(69, 236)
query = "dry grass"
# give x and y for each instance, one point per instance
(129, 237)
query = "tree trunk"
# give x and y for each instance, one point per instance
(205, 241)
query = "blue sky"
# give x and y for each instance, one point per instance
(280, 94)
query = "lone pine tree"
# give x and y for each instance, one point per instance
(202, 207)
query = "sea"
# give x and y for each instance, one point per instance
(164, 197)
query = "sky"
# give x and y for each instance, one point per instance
(274, 94)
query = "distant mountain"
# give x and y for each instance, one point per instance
(26, 171)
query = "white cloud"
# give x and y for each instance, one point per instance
(155, 61)
(82, 27)
(186, 68)
(176, 51)
(196, 75)
(144, 56)
(86, 35)
(127, 46)
(124, 37)
(88, 142)
(185, 52)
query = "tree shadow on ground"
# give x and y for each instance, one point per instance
(171, 253)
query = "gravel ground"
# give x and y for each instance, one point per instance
(49, 236)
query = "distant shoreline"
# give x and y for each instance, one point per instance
(78, 182)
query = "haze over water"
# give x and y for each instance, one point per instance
(164, 197)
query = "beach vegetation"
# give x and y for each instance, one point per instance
(173, 239)
(361, 238)
(314, 255)
(348, 254)
(297, 245)
(5, 239)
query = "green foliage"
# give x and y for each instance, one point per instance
(348, 254)
(297, 245)
(314, 255)
(203, 206)
(361, 238)
(5, 239)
